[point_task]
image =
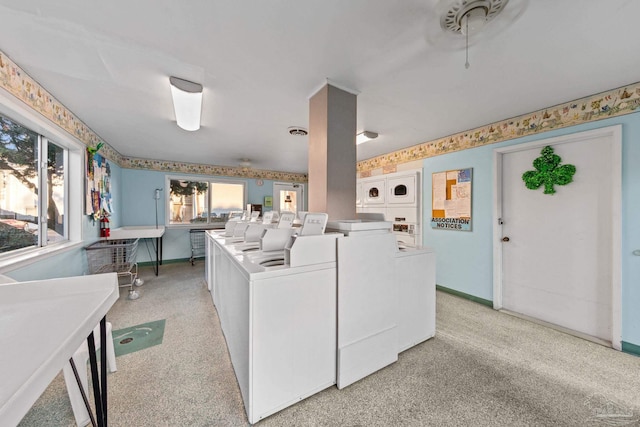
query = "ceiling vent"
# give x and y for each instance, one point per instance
(298, 131)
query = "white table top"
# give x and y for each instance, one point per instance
(137, 232)
(42, 323)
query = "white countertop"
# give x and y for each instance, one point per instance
(42, 323)
(136, 232)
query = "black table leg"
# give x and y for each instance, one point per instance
(158, 248)
(99, 393)
(82, 392)
(103, 365)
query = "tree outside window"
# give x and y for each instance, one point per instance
(204, 202)
(26, 195)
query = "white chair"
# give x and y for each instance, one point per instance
(80, 358)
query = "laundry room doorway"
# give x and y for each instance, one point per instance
(557, 255)
(288, 197)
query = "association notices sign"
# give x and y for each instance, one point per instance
(451, 200)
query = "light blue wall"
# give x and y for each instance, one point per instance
(257, 193)
(138, 208)
(69, 263)
(465, 259)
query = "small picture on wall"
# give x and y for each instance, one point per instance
(268, 201)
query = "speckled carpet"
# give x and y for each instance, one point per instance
(483, 368)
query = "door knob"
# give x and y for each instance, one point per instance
(505, 239)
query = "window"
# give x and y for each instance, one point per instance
(203, 202)
(33, 198)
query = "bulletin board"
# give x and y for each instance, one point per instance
(451, 200)
(98, 186)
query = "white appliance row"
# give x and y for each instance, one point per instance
(395, 197)
(296, 324)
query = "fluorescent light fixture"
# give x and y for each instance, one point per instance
(365, 136)
(187, 103)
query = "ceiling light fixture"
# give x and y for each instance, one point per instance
(365, 136)
(187, 103)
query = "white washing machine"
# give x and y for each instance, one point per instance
(279, 321)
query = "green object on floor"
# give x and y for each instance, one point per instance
(138, 337)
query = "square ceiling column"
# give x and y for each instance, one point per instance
(332, 153)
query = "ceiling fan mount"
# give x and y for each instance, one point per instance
(447, 21)
(453, 20)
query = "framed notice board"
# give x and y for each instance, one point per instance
(451, 200)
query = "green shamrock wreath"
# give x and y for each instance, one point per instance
(548, 172)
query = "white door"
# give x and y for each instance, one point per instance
(288, 197)
(560, 253)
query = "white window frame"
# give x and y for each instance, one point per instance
(207, 179)
(291, 186)
(75, 150)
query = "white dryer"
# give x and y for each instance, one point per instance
(403, 190)
(373, 192)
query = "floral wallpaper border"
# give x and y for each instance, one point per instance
(17, 82)
(202, 169)
(14, 80)
(616, 102)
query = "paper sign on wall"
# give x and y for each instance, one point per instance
(98, 186)
(451, 200)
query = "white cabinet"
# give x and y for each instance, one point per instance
(415, 275)
(367, 336)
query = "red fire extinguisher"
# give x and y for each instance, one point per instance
(105, 231)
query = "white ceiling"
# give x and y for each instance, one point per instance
(109, 62)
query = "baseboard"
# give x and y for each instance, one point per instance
(166, 261)
(634, 349)
(465, 296)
